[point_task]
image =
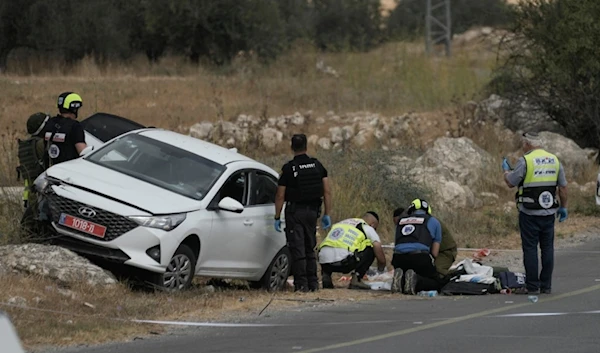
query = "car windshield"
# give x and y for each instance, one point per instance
(160, 164)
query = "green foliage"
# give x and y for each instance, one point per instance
(553, 64)
(347, 24)
(408, 18)
(213, 30)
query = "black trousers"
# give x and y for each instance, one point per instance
(537, 230)
(301, 235)
(423, 265)
(361, 266)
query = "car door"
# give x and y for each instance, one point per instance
(264, 241)
(226, 251)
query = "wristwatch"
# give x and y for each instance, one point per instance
(277, 218)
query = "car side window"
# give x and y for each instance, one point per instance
(235, 188)
(263, 189)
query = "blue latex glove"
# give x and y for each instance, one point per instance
(562, 214)
(277, 225)
(325, 222)
(505, 166)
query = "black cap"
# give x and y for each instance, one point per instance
(374, 214)
(398, 211)
(299, 142)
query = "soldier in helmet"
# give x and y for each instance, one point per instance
(31, 154)
(64, 136)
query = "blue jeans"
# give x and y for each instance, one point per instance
(537, 230)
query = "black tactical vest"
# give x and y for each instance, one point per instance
(30, 163)
(308, 186)
(413, 229)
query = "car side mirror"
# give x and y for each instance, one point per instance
(229, 204)
(86, 150)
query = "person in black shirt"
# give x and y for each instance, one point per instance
(63, 134)
(303, 185)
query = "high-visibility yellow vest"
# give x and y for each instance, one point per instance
(538, 189)
(347, 234)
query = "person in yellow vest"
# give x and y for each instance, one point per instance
(539, 176)
(350, 247)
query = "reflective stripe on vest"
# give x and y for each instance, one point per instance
(538, 189)
(347, 235)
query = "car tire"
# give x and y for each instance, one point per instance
(276, 275)
(180, 272)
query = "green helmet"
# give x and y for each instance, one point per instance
(36, 123)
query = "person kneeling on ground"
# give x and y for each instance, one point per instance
(417, 244)
(351, 246)
(448, 248)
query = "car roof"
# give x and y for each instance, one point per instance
(194, 145)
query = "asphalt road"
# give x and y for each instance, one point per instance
(566, 321)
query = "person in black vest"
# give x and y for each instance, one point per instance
(63, 134)
(417, 244)
(303, 185)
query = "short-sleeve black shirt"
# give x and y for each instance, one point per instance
(65, 134)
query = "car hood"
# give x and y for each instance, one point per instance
(121, 187)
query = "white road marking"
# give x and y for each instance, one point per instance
(549, 314)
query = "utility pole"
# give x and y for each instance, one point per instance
(438, 27)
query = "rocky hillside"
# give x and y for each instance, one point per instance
(450, 164)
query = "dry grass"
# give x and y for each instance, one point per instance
(392, 79)
(60, 317)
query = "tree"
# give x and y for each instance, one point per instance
(552, 63)
(347, 24)
(12, 27)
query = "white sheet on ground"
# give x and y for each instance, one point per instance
(476, 273)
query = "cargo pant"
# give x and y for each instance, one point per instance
(444, 261)
(301, 235)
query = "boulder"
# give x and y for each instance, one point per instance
(246, 121)
(202, 130)
(297, 119)
(348, 132)
(53, 262)
(313, 140)
(449, 170)
(337, 134)
(270, 137)
(324, 143)
(361, 138)
(575, 159)
(446, 193)
(399, 125)
(231, 130)
(458, 158)
(515, 116)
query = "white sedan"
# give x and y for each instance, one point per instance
(171, 205)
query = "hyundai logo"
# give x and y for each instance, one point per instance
(87, 212)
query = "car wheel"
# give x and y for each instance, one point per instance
(275, 278)
(180, 272)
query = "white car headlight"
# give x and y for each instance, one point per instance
(167, 222)
(41, 182)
